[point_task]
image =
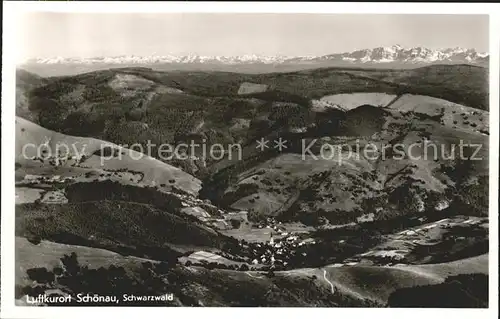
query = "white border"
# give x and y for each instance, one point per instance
(494, 158)
(255, 7)
(11, 26)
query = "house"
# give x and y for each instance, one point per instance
(366, 218)
(29, 177)
(443, 204)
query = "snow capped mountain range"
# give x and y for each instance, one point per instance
(397, 53)
(393, 54)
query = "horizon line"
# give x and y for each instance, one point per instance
(154, 54)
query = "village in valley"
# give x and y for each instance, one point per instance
(268, 245)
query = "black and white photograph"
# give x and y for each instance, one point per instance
(212, 159)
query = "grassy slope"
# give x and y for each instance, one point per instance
(463, 84)
(378, 282)
(154, 172)
(46, 254)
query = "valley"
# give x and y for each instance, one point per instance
(328, 225)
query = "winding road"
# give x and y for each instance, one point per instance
(328, 281)
(303, 272)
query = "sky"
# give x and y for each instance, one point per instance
(45, 34)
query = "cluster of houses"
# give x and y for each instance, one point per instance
(277, 251)
(274, 253)
(30, 179)
(280, 247)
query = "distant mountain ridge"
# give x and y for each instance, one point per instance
(379, 55)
